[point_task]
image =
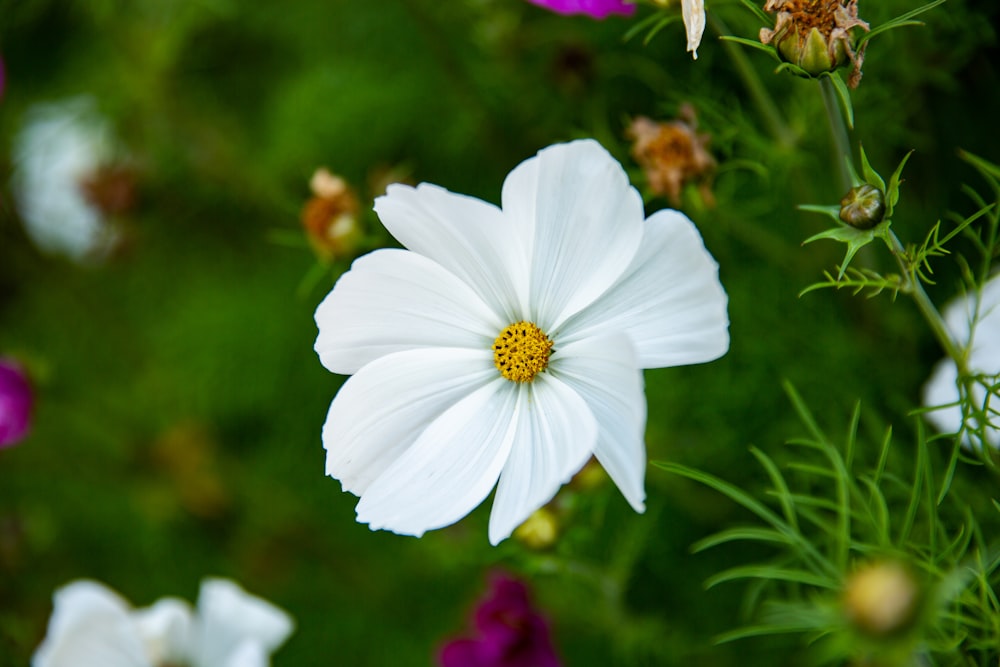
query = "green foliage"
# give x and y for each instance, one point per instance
(834, 516)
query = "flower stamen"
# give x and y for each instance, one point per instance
(521, 351)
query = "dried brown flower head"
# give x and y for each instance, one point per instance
(673, 154)
(110, 189)
(816, 35)
(330, 217)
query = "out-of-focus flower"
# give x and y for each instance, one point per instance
(597, 9)
(66, 181)
(510, 632)
(981, 332)
(816, 35)
(330, 217)
(16, 402)
(693, 12)
(540, 530)
(673, 154)
(508, 343)
(881, 598)
(93, 625)
(187, 453)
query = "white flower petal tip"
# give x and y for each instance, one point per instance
(694, 24)
(974, 321)
(229, 618)
(505, 346)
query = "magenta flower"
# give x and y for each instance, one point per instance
(597, 9)
(511, 632)
(15, 403)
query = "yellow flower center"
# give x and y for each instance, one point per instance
(521, 351)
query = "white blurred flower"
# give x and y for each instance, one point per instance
(508, 343)
(983, 358)
(91, 626)
(60, 148)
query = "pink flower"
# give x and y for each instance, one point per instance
(511, 632)
(597, 9)
(15, 403)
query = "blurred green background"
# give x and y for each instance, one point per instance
(177, 428)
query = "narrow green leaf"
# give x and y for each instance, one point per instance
(780, 487)
(872, 177)
(639, 26)
(984, 166)
(758, 631)
(892, 193)
(752, 43)
(832, 211)
(773, 573)
(883, 456)
(843, 96)
(898, 22)
(755, 8)
(878, 510)
(736, 534)
(664, 22)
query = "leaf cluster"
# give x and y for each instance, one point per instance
(828, 513)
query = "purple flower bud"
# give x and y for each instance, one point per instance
(15, 403)
(511, 633)
(597, 9)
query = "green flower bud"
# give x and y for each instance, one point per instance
(812, 53)
(863, 207)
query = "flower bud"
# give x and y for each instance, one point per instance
(881, 598)
(863, 207)
(816, 35)
(811, 52)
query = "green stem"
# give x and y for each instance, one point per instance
(914, 288)
(838, 130)
(758, 93)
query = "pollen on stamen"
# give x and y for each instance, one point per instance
(521, 351)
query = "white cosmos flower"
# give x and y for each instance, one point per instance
(983, 328)
(570, 277)
(60, 146)
(92, 626)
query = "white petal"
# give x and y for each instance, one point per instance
(984, 358)
(165, 629)
(450, 468)
(603, 371)
(583, 221)
(380, 411)
(228, 617)
(394, 300)
(90, 627)
(694, 23)
(468, 237)
(669, 301)
(248, 654)
(556, 434)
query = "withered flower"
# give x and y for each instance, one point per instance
(330, 217)
(673, 154)
(816, 35)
